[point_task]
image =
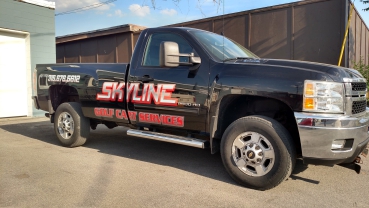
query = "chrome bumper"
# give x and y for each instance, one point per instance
(318, 131)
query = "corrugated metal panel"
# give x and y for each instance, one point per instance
(366, 46)
(362, 42)
(235, 28)
(344, 18)
(269, 34)
(208, 25)
(60, 53)
(135, 38)
(89, 50)
(357, 38)
(351, 38)
(123, 45)
(306, 30)
(106, 49)
(317, 35)
(72, 52)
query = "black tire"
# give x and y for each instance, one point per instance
(81, 125)
(278, 137)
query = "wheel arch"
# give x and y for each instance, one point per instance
(233, 107)
(59, 94)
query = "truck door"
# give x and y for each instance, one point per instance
(167, 97)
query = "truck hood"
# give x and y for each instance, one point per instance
(336, 73)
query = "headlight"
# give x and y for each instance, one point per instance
(323, 97)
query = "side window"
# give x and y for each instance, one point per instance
(152, 49)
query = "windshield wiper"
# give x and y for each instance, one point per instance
(238, 58)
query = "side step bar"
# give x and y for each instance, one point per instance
(192, 142)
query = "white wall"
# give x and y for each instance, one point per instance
(14, 80)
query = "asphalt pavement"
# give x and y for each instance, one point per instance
(115, 170)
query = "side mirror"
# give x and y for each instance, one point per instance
(169, 56)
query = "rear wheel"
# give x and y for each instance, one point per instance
(70, 125)
(258, 152)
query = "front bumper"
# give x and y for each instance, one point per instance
(318, 131)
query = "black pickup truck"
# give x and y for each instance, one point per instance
(200, 89)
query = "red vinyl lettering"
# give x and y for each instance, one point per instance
(135, 97)
(160, 94)
(141, 117)
(121, 114)
(180, 121)
(175, 121)
(165, 119)
(166, 94)
(117, 91)
(132, 115)
(110, 113)
(147, 117)
(97, 111)
(106, 112)
(170, 120)
(153, 93)
(156, 118)
(106, 92)
(131, 87)
(144, 94)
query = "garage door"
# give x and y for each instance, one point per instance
(13, 82)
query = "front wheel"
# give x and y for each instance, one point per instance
(70, 125)
(258, 152)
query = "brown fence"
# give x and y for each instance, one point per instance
(358, 39)
(307, 30)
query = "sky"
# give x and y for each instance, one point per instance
(149, 14)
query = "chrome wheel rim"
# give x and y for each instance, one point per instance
(65, 125)
(253, 153)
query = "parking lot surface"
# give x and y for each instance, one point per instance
(115, 170)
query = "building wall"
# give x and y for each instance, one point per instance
(114, 48)
(39, 25)
(306, 30)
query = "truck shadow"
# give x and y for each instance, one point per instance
(116, 142)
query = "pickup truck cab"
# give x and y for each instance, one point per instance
(200, 89)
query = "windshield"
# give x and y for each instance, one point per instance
(221, 47)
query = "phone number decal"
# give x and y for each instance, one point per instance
(63, 78)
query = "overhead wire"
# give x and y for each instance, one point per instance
(81, 9)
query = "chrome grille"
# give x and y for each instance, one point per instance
(358, 106)
(355, 96)
(358, 86)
